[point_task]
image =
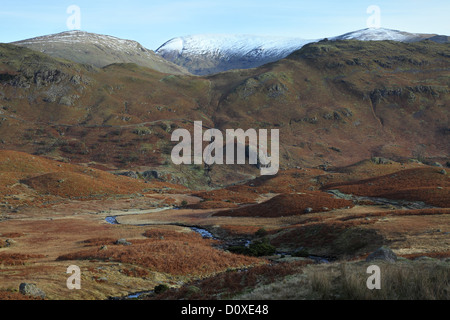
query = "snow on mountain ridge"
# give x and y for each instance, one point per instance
(83, 37)
(211, 53)
(231, 44)
(379, 34)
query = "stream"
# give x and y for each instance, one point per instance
(399, 204)
(203, 232)
(113, 220)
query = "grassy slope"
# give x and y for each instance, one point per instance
(359, 98)
(333, 102)
(33, 180)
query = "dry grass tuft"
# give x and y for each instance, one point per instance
(347, 281)
(335, 238)
(15, 259)
(169, 252)
(410, 281)
(15, 296)
(226, 285)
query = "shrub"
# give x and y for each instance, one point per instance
(304, 253)
(256, 249)
(261, 232)
(142, 131)
(161, 288)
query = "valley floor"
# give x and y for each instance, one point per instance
(314, 241)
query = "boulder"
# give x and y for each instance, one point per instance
(437, 164)
(384, 254)
(9, 242)
(130, 174)
(123, 242)
(31, 289)
(151, 174)
(380, 160)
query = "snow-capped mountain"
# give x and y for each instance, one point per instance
(98, 50)
(208, 54)
(380, 34)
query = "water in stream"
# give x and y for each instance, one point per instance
(203, 232)
(111, 220)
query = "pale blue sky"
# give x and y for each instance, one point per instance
(153, 22)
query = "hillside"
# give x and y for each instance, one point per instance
(29, 180)
(338, 102)
(334, 102)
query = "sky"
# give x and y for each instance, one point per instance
(153, 22)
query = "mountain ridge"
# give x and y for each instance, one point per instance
(205, 54)
(202, 54)
(98, 50)
(214, 53)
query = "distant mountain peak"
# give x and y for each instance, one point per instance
(75, 36)
(241, 42)
(379, 34)
(98, 50)
(211, 53)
